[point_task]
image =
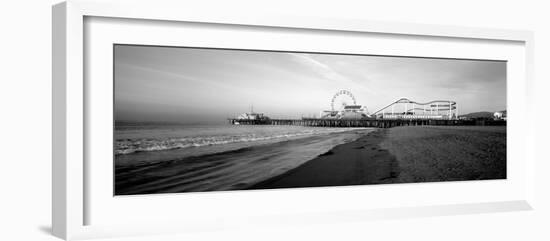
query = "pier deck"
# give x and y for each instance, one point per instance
(379, 123)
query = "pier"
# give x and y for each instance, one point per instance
(402, 112)
(378, 123)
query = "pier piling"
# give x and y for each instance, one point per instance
(379, 123)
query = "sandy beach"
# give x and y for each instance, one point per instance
(234, 161)
(405, 155)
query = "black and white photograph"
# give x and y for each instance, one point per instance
(275, 120)
(190, 119)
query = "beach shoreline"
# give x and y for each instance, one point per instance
(408, 154)
(404, 155)
(359, 162)
(229, 168)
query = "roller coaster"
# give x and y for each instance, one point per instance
(346, 112)
(407, 109)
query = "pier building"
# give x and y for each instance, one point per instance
(345, 112)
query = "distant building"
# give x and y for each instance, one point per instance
(349, 112)
(500, 115)
(252, 116)
(353, 108)
(328, 114)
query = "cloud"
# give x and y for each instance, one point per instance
(216, 83)
(329, 72)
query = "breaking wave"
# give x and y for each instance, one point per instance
(128, 146)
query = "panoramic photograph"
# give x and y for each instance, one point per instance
(192, 119)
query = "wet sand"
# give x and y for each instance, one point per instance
(235, 169)
(405, 155)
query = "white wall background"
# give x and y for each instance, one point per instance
(25, 122)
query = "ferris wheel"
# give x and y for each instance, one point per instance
(341, 99)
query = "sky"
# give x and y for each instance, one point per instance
(192, 85)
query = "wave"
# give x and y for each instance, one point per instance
(234, 168)
(128, 146)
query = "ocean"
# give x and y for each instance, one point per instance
(168, 158)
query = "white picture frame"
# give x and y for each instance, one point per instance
(71, 188)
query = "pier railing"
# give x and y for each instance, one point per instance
(379, 123)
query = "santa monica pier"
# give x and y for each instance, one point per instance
(346, 112)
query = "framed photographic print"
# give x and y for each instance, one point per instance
(178, 126)
(204, 122)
